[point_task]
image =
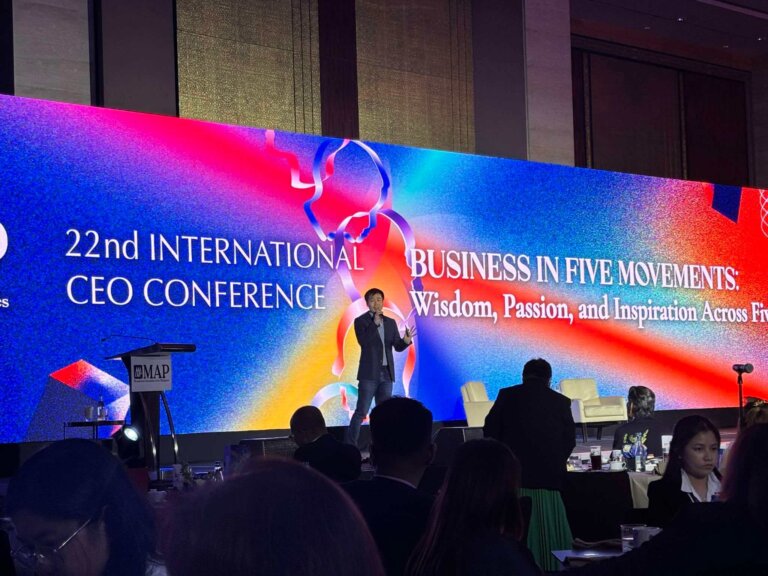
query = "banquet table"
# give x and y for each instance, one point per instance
(596, 502)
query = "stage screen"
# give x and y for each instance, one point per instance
(120, 229)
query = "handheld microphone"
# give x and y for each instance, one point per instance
(743, 368)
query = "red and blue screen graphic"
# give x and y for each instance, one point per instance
(121, 229)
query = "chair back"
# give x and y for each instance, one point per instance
(474, 392)
(579, 388)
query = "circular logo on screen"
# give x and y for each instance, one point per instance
(3, 241)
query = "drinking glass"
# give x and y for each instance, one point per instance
(628, 536)
(596, 457)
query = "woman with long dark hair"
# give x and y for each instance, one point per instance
(76, 513)
(691, 475)
(476, 524)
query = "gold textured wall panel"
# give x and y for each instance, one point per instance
(51, 50)
(250, 62)
(415, 72)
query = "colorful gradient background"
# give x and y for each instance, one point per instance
(64, 166)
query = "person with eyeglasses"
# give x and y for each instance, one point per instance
(73, 511)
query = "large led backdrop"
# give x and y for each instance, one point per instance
(120, 229)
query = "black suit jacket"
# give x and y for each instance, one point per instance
(338, 461)
(371, 352)
(536, 423)
(396, 514)
(665, 501)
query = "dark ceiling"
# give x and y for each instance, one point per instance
(733, 27)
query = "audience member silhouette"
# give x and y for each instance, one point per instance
(476, 524)
(76, 513)
(338, 461)
(401, 449)
(641, 402)
(691, 475)
(536, 423)
(718, 539)
(755, 412)
(275, 518)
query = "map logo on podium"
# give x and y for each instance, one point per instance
(4, 302)
(3, 241)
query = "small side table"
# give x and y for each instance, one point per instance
(93, 424)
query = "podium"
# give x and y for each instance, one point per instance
(149, 376)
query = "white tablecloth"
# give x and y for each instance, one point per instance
(638, 483)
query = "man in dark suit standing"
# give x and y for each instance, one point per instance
(377, 335)
(536, 423)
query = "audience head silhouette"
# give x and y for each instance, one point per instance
(641, 402)
(307, 425)
(538, 371)
(320, 450)
(77, 513)
(277, 517)
(755, 412)
(747, 479)
(401, 438)
(479, 498)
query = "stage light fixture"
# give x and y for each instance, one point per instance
(126, 432)
(131, 432)
(127, 444)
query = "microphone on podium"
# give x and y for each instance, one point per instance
(741, 369)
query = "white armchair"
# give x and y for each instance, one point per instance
(590, 409)
(476, 403)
